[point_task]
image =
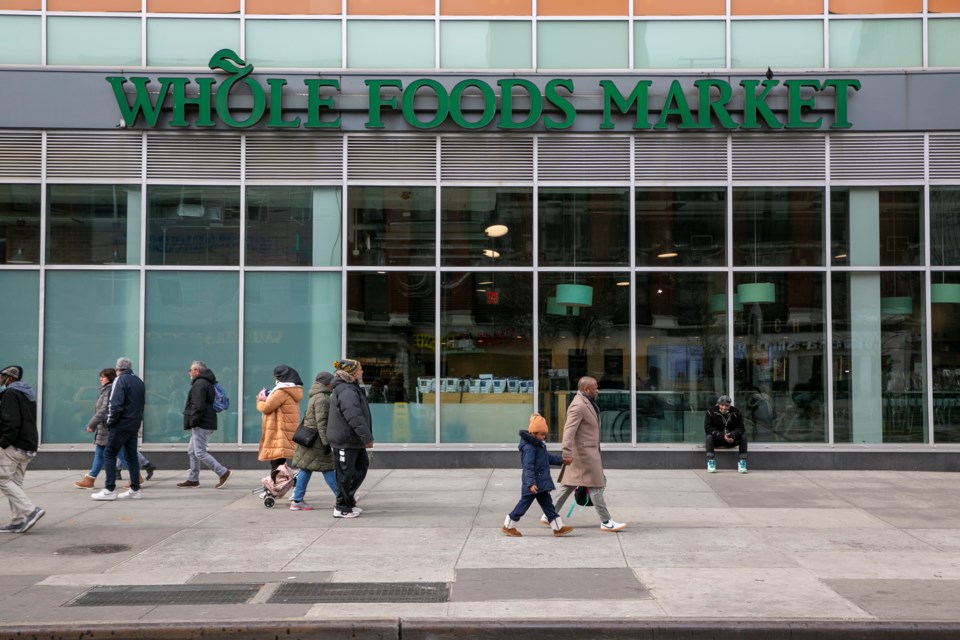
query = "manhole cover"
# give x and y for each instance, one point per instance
(150, 595)
(366, 592)
(93, 549)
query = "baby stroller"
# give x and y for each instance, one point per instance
(276, 485)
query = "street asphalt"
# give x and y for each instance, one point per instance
(769, 554)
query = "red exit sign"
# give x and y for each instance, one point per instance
(493, 297)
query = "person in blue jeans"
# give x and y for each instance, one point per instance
(319, 456)
(536, 484)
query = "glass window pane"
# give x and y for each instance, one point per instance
(189, 42)
(486, 226)
(172, 343)
(945, 226)
(91, 318)
(681, 227)
(681, 353)
(93, 41)
(773, 226)
(193, 225)
(486, 352)
(582, 45)
(877, 227)
(875, 43)
(391, 330)
(391, 226)
(20, 40)
(382, 44)
(664, 44)
(484, 44)
(779, 357)
(584, 226)
(944, 296)
(777, 44)
(943, 35)
(577, 341)
(878, 361)
(293, 43)
(291, 319)
(293, 226)
(93, 224)
(20, 339)
(19, 223)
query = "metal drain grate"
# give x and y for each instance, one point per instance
(365, 592)
(140, 595)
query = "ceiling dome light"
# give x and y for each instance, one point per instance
(490, 253)
(496, 230)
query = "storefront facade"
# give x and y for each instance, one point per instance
(529, 199)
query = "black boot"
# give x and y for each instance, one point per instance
(149, 468)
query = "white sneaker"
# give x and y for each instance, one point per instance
(104, 494)
(345, 514)
(544, 521)
(357, 509)
(130, 494)
(612, 525)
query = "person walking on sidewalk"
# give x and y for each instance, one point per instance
(124, 417)
(536, 483)
(581, 451)
(18, 447)
(98, 427)
(319, 456)
(350, 431)
(723, 424)
(200, 419)
(281, 414)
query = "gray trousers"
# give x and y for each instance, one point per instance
(596, 496)
(13, 466)
(197, 450)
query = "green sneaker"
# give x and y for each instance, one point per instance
(711, 466)
(742, 466)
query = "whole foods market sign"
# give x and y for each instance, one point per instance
(241, 101)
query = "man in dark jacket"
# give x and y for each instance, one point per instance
(723, 425)
(18, 446)
(124, 417)
(350, 433)
(200, 420)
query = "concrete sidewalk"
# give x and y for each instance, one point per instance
(768, 554)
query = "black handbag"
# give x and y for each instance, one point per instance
(304, 435)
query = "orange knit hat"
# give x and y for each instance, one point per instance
(537, 424)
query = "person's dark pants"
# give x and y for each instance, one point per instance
(122, 440)
(351, 466)
(543, 499)
(712, 443)
(275, 464)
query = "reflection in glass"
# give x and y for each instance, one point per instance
(293, 226)
(681, 227)
(486, 356)
(774, 226)
(391, 226)
(19, 223)
(779, 359)
(475, 220)
(390, 330)
(584, 226)
(19, 341)
(93, 224)
(944, 226)
(944, 299)
(90, 320)
(586, 340)
(878, 361)
(291, 319)
(681, 353)
(873, 226)
(193, 225)
(190, 315)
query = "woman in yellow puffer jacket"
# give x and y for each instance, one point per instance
(280, 407)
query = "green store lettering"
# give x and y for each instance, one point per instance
(508, 104)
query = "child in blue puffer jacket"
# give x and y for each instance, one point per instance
(535, 461)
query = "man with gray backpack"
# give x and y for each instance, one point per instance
(205, 399)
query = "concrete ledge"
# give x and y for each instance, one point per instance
(385, 457)
(414, 629)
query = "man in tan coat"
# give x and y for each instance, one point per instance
(581, 447)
